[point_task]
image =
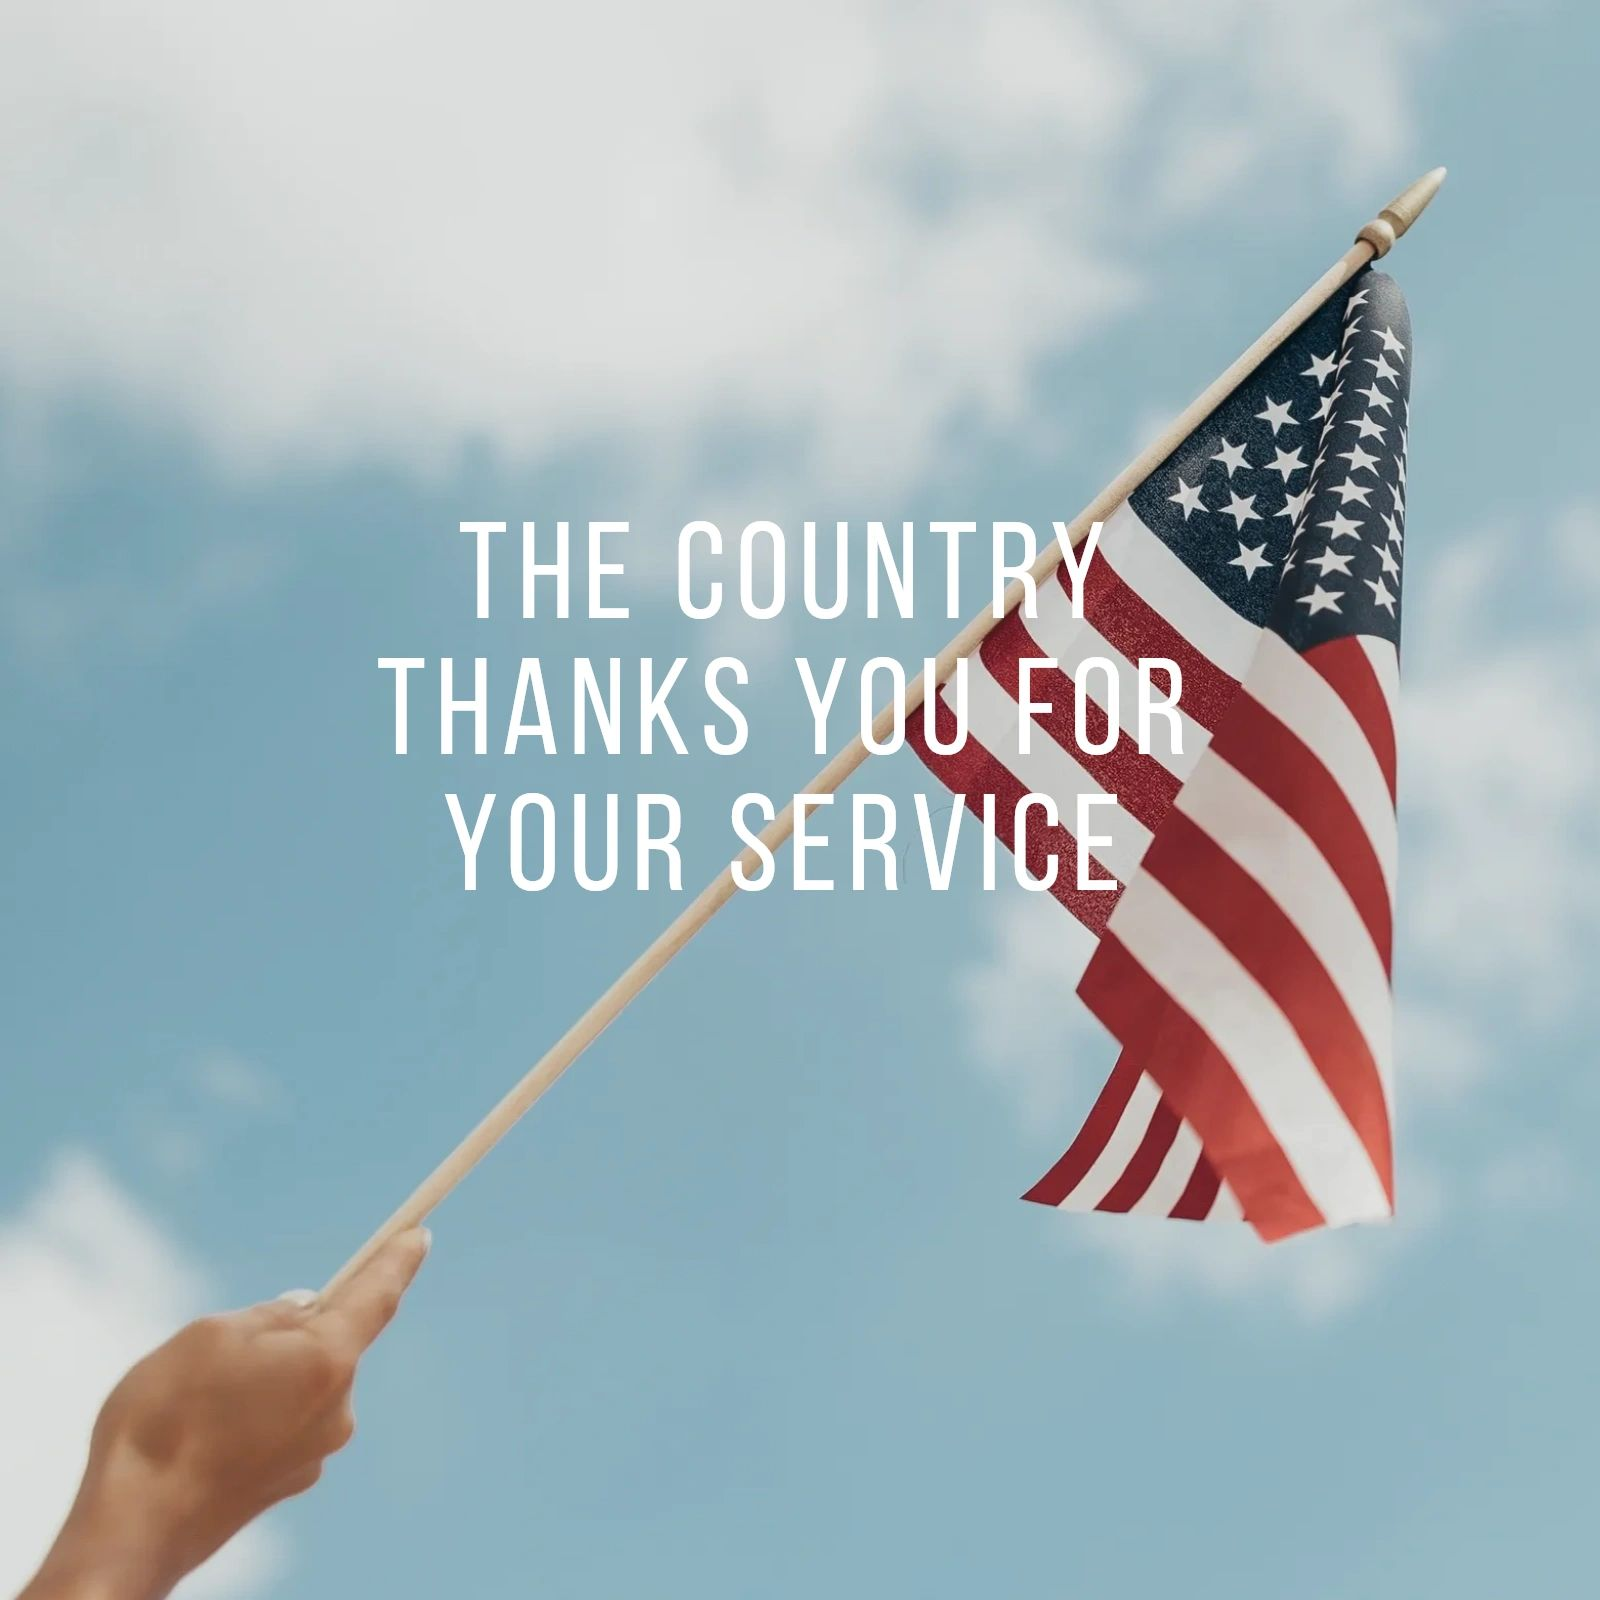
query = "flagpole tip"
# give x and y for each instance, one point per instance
(1401, 212)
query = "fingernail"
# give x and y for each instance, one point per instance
(299, 1297)
(427, 1239)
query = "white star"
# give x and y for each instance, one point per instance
(1376, 398)
(1395, 535)
(1241, 508)
(1348, 491)
(1380, 594)
(1294, 505)
(1390, 565)
(1277, 415)
(1359, 460)
(1351, 329)
(1326, 404)
(1332, 561)
(1321, 368)
(1319, 599)
(1385, 373)
(1343, 527)
(1251, 560)
(1359, 298)
(1231, 456)
(1188, 497)
(1390, 343)
(1365, 427)
(1285, 463)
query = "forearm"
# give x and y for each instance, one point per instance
(101, 1556)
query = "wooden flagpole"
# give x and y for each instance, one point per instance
(1374, 240)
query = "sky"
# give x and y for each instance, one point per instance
(748, 1305)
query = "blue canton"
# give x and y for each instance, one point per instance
(1288, 502)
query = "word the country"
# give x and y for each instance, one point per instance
(560, 569)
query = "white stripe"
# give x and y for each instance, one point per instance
(1118, 1150)
(1163, 582)
(1172, 1176)
(1048, 769)
(1385, 661)
(1226, 1207)
(1203, 977)
(1305, 702)
(1072, 640)
(1272, 847)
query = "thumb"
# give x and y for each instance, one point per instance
(362, 1308)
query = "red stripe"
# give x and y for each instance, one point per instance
(1197, 1078)
(1093, 1136)
(973, 772)
(1143, 787)
(1140, 1172)
(1225, 898)
(1269, 754)
(1344, 666)
(1197, 1199)
(1130, 625)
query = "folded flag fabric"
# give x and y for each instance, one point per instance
(1243, 960)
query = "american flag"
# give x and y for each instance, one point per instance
(1243, 961)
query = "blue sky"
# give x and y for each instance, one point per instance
(748, 1305)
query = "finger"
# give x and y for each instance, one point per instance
(296, 1482)
(291, 1309)
(338, 1429)
(362, 1309)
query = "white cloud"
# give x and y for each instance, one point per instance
(1500, 773)
(182, 1134)
(49, 618)
(363, 228)
(89, 1283)
(1316, 1275)
(233, 1082)
(1535, 1175)
(1445, 1057)
(1025, 1026)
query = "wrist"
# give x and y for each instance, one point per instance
(107, 1552)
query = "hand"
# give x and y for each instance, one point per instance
(230, 1416)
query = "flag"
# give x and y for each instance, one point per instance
(1243, 958)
